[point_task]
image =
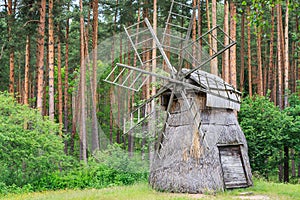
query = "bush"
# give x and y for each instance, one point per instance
(30, 145)
(32, 157)
(266, 131)
(94, 175)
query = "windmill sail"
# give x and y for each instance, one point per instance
(176, 38)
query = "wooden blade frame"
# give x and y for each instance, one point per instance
(134, 78)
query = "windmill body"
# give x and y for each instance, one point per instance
(200, 146)
(188, 164)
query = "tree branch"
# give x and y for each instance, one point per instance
(25, 24)
(2, 49)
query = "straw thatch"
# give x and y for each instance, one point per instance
(211, 158)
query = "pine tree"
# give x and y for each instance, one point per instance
(40, 55)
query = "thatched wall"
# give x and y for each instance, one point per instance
(185, 164)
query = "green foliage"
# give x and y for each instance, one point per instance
(266, 129)
(32, 157)
(115, 157)
(293, 129)
(93, 176)
(30, 147)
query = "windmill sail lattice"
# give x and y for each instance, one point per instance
(176, 39)
(198, 135)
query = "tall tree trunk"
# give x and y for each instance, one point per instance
(226, 42)
(152, 125)
(200, 27)
(265, 71)
(293, 163)
(95, 136)
(40, 56)
(271, 64)
(214, 62)
(59, 83)
(286, 164)
(153, 91)
(293, 72)
(111, 91)
(259, 63)
(45, 84)
(26, 76)
(279, 66)
(242, 51)
(233, 48)
(19, 88)
(279, 54)
(194, 35)
(119, 102)
(286, 55)
(280, 168)
(66, 83)
(249, 54)
(286, 86)
(145, 88)
(51, 61)
(209, 27)
(82, 88)
(11, 49)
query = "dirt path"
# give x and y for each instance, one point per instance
(244, 196)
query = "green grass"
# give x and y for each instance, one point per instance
(142, 191)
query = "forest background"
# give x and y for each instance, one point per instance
(50, 60)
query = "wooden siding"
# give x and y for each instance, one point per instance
(232, 166)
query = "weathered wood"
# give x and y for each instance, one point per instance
(233, 169)
(180, 169)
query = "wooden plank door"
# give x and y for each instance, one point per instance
(232, 166)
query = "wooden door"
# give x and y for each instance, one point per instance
(232, 166)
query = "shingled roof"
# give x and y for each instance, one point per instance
(219, 93)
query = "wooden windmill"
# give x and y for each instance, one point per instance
(201, 146)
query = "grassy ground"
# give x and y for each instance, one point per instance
(141, 191)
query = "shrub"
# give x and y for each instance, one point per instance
(30, 145)
(94, 175)
(266, 131)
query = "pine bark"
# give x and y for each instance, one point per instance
(111, 91)
(66, 84)
(271, 63)
(51, 61)
(40, 56)
(259, 63)
(26, 74)
(209, 27)
(95, 136)
(226, 42)
(199, 4)
(242, 52)
(249, 55)
(279, 54)
(286, 165)
(233, 48)
(293, 78)
(286, 55)
(59, 82)
(82, 88)
(214, 62)
(279, 66)
(11, 49)
(194, 33)
(153, 91)
(293, 163)
(286, 86)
